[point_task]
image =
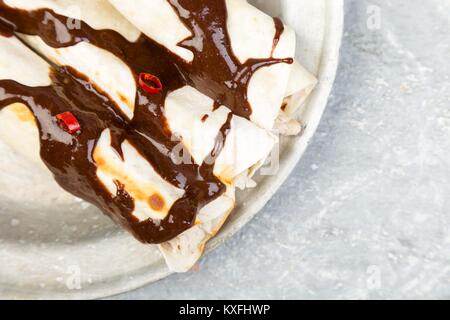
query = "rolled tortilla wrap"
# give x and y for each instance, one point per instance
(301, 84)
(104, 69)
(116, 80)
(184, 251)
(99, 14)
(153, 196)
(246, 145)
(229, 168)
(252, 35)
(17, 124)
(139, 178)
(186, 105)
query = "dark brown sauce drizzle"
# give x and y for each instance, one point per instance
(215, 72)
(279, 29)
(6, 28)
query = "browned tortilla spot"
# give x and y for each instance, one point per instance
(22, 113)
(156, 202)
(135, 190)
(123, 98)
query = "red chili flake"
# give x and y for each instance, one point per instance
(150, 83)
(68, 122)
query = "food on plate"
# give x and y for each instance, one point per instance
(155, 128)
(230, 50)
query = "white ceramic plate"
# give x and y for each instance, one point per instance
(54, 247)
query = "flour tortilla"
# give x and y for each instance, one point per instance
(17, 124)
(183, 252)
(103, 68)
(18, 128)
(246, 145)
(184, 106)
(98, 14)
(251, 32)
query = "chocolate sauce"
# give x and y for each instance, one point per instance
(215, 72)
(279, 29)
(6, 29)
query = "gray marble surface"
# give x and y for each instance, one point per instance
(366, 212)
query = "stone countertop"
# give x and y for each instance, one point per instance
(366, 212)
